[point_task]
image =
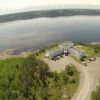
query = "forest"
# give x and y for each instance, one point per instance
(31, 79)
(48, 13)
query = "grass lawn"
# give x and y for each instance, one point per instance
(90, 51)
(41, 56)
(9, 65)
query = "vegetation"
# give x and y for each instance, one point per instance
(41, 52)
(79, 43)
(96, 94)
(9, 77)
(31, 79)
(48, 13)
(91, 50)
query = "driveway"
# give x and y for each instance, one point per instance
(89, 75)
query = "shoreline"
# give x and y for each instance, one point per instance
(12, 53)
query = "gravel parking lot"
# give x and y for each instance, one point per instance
(89, 75)
(60, 64)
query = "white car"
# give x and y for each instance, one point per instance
(92, 59)
(84, 63)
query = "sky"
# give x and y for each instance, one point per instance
(12, 6)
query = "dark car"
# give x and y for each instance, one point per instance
(61, 56)
(84, 63)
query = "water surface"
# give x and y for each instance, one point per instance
(41, 31)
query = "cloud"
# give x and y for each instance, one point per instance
(10, 6)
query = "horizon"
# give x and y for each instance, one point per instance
(13, 6)
(52, 9)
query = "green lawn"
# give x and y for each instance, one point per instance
(91, 51)
(9, 65)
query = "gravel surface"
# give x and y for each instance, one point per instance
(89, 75)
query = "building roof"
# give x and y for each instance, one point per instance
(77, 49)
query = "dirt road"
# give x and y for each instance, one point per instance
(89, 75)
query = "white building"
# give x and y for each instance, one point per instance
(54, 53)
(66, 47)
(78, 53)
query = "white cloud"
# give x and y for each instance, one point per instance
(8, 6)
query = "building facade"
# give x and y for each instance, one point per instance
(66, 48)
(54, 53)
(78, 53)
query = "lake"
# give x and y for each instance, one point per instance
(42, 31)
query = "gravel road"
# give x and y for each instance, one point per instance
(89, 75)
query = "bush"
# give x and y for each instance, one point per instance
(65, 77)
(70, 71)
(96, 94)
(73, 80)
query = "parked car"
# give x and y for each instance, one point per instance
(61, 56)
(89, 61)
(92, 59)
(84, 63)
(58, 57)
(54, 59)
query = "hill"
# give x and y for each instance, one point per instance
(48, 13)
